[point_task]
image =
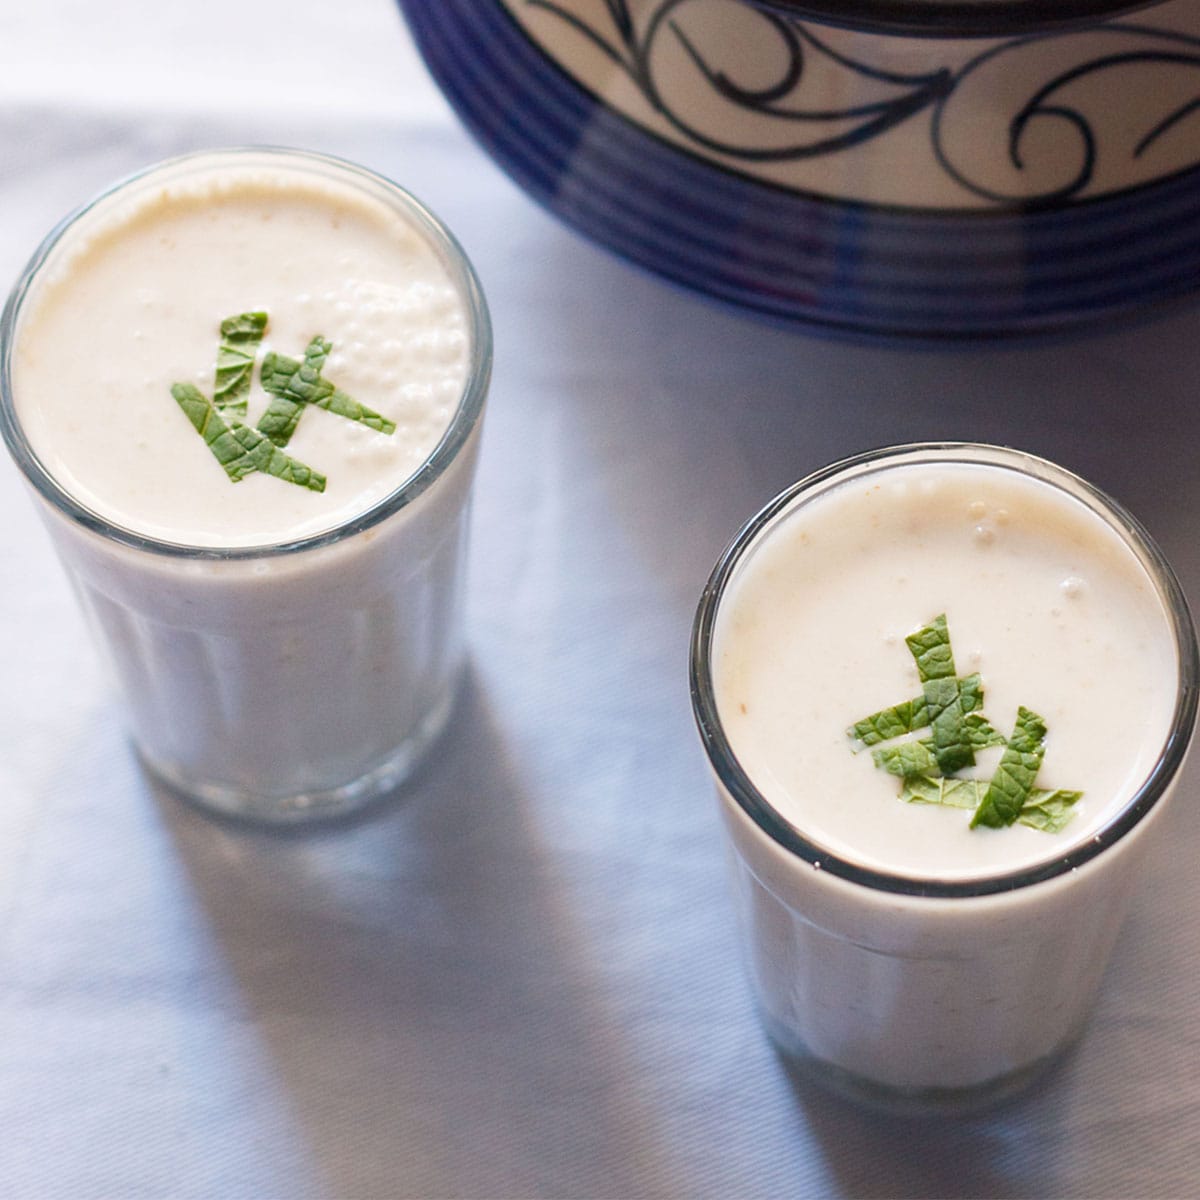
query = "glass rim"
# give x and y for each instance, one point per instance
(456, 435)
(737, 782)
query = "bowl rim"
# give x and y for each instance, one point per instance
(955, 18)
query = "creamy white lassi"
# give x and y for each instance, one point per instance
(1043, 600)
(893, 940)
(247, 387)
(132, 299)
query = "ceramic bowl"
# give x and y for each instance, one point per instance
(913, 168)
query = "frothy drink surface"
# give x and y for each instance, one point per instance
(1042, 599)
(131, 303)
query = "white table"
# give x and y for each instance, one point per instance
(522, 978)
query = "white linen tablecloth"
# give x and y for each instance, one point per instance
(522, 977)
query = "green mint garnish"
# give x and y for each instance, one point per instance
(1013, 780)
(919, 757)
(241, 449)
(979, 732)
(909, 758)
(952, 709)
(214, 429)
(238, 448)
(293, 384)
(953, 793)
(240, 337)
(913, 714)
(890, 723)
(930, 646)
(1046, 810)
(268, 458)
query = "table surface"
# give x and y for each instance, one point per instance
(520, 978)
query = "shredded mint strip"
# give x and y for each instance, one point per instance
(294, 384)
(1048, 811)
(342, 405)
(268, 458)
(239, 449)
(930, 646)
(215, 431)
(240, 337)
(1013, 781)
(980, 734)
(955, 793)
(952, 709)
(919, 757)
(909, 758)
(913, 714)
(890, 723)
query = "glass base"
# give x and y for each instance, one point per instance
(909, 1101)
(312, 805)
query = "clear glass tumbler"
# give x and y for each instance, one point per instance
(293, 680)
(909, 989)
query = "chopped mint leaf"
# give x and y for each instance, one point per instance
(341, 405)
(268, 458)
(952, 708)
(930, 646)
(951, 746)
(970, 690)
(890, 723)
(956, 793)
(913, 714)
(215, 431)
(1013, 781)
(979, 733)
(240, 337)
(239, 449)
(294, 384)
(908, 758)
(1048, 811)
(919, 757)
